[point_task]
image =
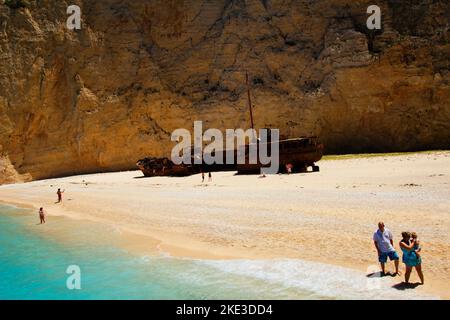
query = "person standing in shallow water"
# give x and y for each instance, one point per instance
(209, 177)
(384, 244)
(42, 215)
(59, 193)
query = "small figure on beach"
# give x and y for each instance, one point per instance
(41, 215)
(289, 167)
(410, 247)
(209, 177)
(384, 244)
(59, 193)
(203, 177)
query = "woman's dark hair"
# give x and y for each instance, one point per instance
(406, 234)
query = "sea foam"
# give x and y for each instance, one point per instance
(319, 279)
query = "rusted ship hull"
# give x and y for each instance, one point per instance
(295, 155)
(154, 167)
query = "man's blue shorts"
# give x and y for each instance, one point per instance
(384, 255)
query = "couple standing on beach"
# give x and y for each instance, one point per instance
(409, 245)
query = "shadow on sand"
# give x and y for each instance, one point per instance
(404, 286)
(146, 177)
(380, 274)
(140, 177)
(399, 286)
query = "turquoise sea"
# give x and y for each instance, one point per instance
(34, 259)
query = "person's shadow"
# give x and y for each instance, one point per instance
(379, 274)
(404, 286)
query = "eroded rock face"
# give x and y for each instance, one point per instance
(100, 98)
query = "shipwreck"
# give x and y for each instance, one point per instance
(295, 155)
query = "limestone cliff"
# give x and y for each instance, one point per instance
(102, 97)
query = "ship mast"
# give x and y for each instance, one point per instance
(249, 102)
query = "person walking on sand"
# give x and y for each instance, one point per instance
(42, 215)
(384, 244)
(59, 193)
(203, 177)
(410, 257)
(209, 177)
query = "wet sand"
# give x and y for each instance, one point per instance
(327, 217)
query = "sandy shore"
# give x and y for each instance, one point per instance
(328, 216)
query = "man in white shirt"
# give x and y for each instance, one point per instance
(384, 244)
